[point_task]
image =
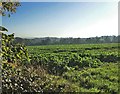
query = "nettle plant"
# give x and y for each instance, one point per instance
(11, 52)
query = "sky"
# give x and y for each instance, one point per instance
(63, 19)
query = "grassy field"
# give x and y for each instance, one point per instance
(87, 67)
(64, 68)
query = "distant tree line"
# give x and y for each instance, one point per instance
(70, 40)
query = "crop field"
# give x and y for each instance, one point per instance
(86, 67)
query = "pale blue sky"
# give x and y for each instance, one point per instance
(63, 19)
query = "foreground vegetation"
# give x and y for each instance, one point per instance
(36, 79)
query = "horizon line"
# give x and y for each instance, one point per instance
(62, 37)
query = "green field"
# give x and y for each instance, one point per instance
(87, 67)
(61, 68)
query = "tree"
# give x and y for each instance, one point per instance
(8, 8)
